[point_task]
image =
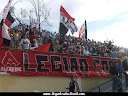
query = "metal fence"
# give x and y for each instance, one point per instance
(106, 86)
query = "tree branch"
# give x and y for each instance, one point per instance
(34, 6)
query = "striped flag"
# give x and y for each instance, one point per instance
(6, 37)
(83, 31)
(66, 23)
(8, 20)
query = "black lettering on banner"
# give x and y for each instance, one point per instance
(26, 64)
(104, 64)
(65, 64)
(74, 65)
(41, 63)
(54, 60)
(83, 65)
(96, 63)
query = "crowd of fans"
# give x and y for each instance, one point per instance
(29, 37)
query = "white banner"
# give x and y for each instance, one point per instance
(5, 32)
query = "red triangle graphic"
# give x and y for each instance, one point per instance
(9, 59)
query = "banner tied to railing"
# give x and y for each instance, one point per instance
(32, 63)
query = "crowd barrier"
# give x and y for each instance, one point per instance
(38, 63)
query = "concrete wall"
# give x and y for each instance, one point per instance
(9, 83)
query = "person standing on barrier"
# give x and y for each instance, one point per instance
(117, 82)
(73, 84)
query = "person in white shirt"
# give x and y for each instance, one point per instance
(39, 41)
(85, 51)
(25, 43)
(35, 43)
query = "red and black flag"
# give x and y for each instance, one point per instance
(7, 22)
(66, 23)
(6, 37)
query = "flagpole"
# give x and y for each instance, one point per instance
(85, 30)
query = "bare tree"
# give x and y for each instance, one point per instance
(41, 11)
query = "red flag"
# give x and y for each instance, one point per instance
(66, 23)
(8, 20)
(65, 13)
(82, 30)
(44, 47)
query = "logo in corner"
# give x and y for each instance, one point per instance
(9, 59)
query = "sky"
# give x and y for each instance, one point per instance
(106, 19)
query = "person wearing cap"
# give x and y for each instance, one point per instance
(73, 84)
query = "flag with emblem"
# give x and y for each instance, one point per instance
(66, 23)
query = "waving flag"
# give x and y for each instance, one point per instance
(5, 11)
(66, 22)
(44, 47)
(83, 31)
(8, 20)
(5, 34)
(35, 24)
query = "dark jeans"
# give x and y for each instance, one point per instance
(117, 85)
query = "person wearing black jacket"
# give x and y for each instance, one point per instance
(117, 83)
